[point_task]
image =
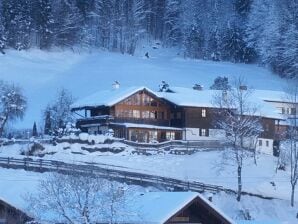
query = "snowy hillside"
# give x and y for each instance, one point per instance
(41, 74)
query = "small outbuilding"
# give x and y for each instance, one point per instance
(12, 215)
(174, 208)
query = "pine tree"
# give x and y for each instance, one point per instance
(17, 21)
(2, 36)
(67, 27)
(172, 29)
(48, 122)
(34, 130)
(43, 22)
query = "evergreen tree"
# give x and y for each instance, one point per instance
(48, 122)
(34, 130)
(172, 29)
(17, 22)
(2, 36)
(43, 22)
(67, 27)
(221, 83)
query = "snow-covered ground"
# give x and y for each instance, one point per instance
(204, 166)
(15, 185)
(42, 73)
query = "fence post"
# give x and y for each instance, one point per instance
(40, 164)
(25, 164)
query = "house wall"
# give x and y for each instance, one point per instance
(285, 108)
(269, 127)
(193, 134)
(193, 117)
(142, 107)
(264, 145)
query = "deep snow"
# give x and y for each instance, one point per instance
(42, 73)
(16, 184)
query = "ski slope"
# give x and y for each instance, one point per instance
(41, 73)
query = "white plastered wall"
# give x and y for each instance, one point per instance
(266, 147)
(193, 134)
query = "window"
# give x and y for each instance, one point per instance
(136, 114)
(152, 136)
(293, 111)
(146, 114)
(203, 112)
(170, 135)
(153, 114)
(267, 143)
(203, 132)
(283, 110)
(288, 110)
(260, 142)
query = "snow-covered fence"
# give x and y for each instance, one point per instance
(114, 173)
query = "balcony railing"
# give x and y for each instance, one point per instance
(108, 119)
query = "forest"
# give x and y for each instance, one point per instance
(239, 31)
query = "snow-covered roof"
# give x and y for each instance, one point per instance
(204, 98)
(108, 97)
(182, 96)
(159, 207)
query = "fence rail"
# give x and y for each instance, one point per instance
(111, 172)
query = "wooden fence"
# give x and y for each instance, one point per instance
(114, 173)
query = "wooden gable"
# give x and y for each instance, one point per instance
(142, 104)
(198, 211)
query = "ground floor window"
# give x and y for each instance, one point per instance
(204, 132)
(152, 136)
(138, 135)
(260, 142)
(170, 135)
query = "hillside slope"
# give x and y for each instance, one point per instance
(42, 73)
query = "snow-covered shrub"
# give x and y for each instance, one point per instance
(83, 136)
(96, 139)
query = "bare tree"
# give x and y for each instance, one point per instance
(292, 135)
(58, 115)
(74, 198)
(237, 116)
(12, 104)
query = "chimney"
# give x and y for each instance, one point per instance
(243, 87)
(198, 87)
(116, 85)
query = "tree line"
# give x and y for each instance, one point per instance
(247, 31)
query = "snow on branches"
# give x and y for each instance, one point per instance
(12, 104)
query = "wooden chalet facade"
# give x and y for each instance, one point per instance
(142, 115)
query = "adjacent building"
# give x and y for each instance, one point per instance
(172, 208)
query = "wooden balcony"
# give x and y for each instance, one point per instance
(106, 119)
